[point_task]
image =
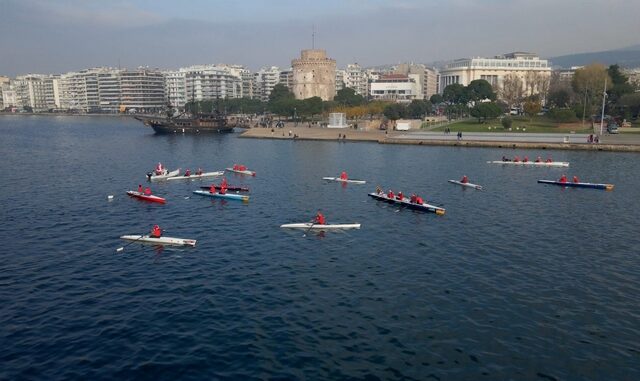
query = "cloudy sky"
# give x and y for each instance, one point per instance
(55, 36)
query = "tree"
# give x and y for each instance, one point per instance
(506, 122)
(512, 89)
(310, 106)
(588, 83)
(532, 107)
(280, 91)
(456, 94)
(394, 111)
(348, 97)
(480, 89)
(436, 99)
(376, 107)
(281, 100)
(485, 110)
(620, 84)
(418, 108)
(559, 98)
(632, 103)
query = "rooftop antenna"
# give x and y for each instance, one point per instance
(313, 36)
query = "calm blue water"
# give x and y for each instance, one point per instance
(522, 281)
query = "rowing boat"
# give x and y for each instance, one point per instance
(344, 181)
(230, 196)
(478, 187)
(309, 225)
(200, 176)
(164, 176)
(408, 204)
(245, 172)
(229, 188)
(160, 241)
(150, 198)
(578, 185)
(532, 163)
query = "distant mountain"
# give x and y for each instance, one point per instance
(627, 57)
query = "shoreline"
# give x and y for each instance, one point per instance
(379, 137)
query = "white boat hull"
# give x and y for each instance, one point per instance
(469, 185)
(160, 241)
(344, 181)
(309, 225)
(245, 172)
(193, 177)
(165, 176)
(531, 163)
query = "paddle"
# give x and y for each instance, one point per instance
(310, 226)
(134, 241)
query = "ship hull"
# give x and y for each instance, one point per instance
(188, 126)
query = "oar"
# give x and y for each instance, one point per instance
(122, 247)
(310, 226)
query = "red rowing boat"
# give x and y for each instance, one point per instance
(144, 197)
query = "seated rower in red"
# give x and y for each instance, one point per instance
(224, 182)
(390, 194)
(147, 191)
(199, 171)
(156, 232)
(400, 196)
(549, 160)
(140, 190)
(538, 159)
(575, 179)
(563, 179)
(212, 188)
(465, 179)
(413, 198)
(242, 168)
(187, 173)
(526, 159)
(159, 169)
(343, 176)
(223, 189)
(419, 200)
(320, 220)
(516, 159)
(235, 167)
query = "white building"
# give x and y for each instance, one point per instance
(356, 79)
(206, 82)
(396, 87)
(264, 81)
(494, 70)
(340, 78)
(38, 91)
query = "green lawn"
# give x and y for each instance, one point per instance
(520, 124)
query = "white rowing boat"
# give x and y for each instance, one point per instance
(532, 163)
(344, 181)
(242, 172)
(200, 176)
(309, 225)
(160, 241)
(164, 176)
(476, 186)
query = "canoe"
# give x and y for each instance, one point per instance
(532, 163)
(309, 225)
(578, 185)
(406, 203)
(344, 181)
(166, 175)
(150, 198)
(230, 196)
(160, 241)
(229, 188)
(476, 186)
(245, 172)
(193, 177)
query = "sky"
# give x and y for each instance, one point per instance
(57, 36)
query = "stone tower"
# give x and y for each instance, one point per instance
(314, 75)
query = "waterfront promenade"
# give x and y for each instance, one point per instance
(621, 142)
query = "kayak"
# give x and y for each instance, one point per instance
(142, 196)
(344, 181)
(532, 163)
(309, 225)
(229, 188)
(193, 177)
(578, 185)
(245, 172)
(160, 241)
(164, 176)
(408, 204)
(230, 196)
(478, 187)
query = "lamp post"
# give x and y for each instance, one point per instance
(604, 97)
(295, 117)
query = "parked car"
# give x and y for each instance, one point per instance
(612, 128)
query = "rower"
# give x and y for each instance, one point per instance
(159, 169)
(187, 173)
(212, 188)
(465, 179)
(224, 183)
(223, 189)
(378, 189)
(320, 220)
(199, 171)
(390, 194)
(526, 159)
(538, 159)
(549, 160)
(516, 159)
(242, 167)
(575, 179)
(343, 175)
(147, 191)
(563, 179)
(235, 167)
(413, 198)
(419, 200)
(140, 190)
(504, 158)
(156, 232)
(400, 196)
